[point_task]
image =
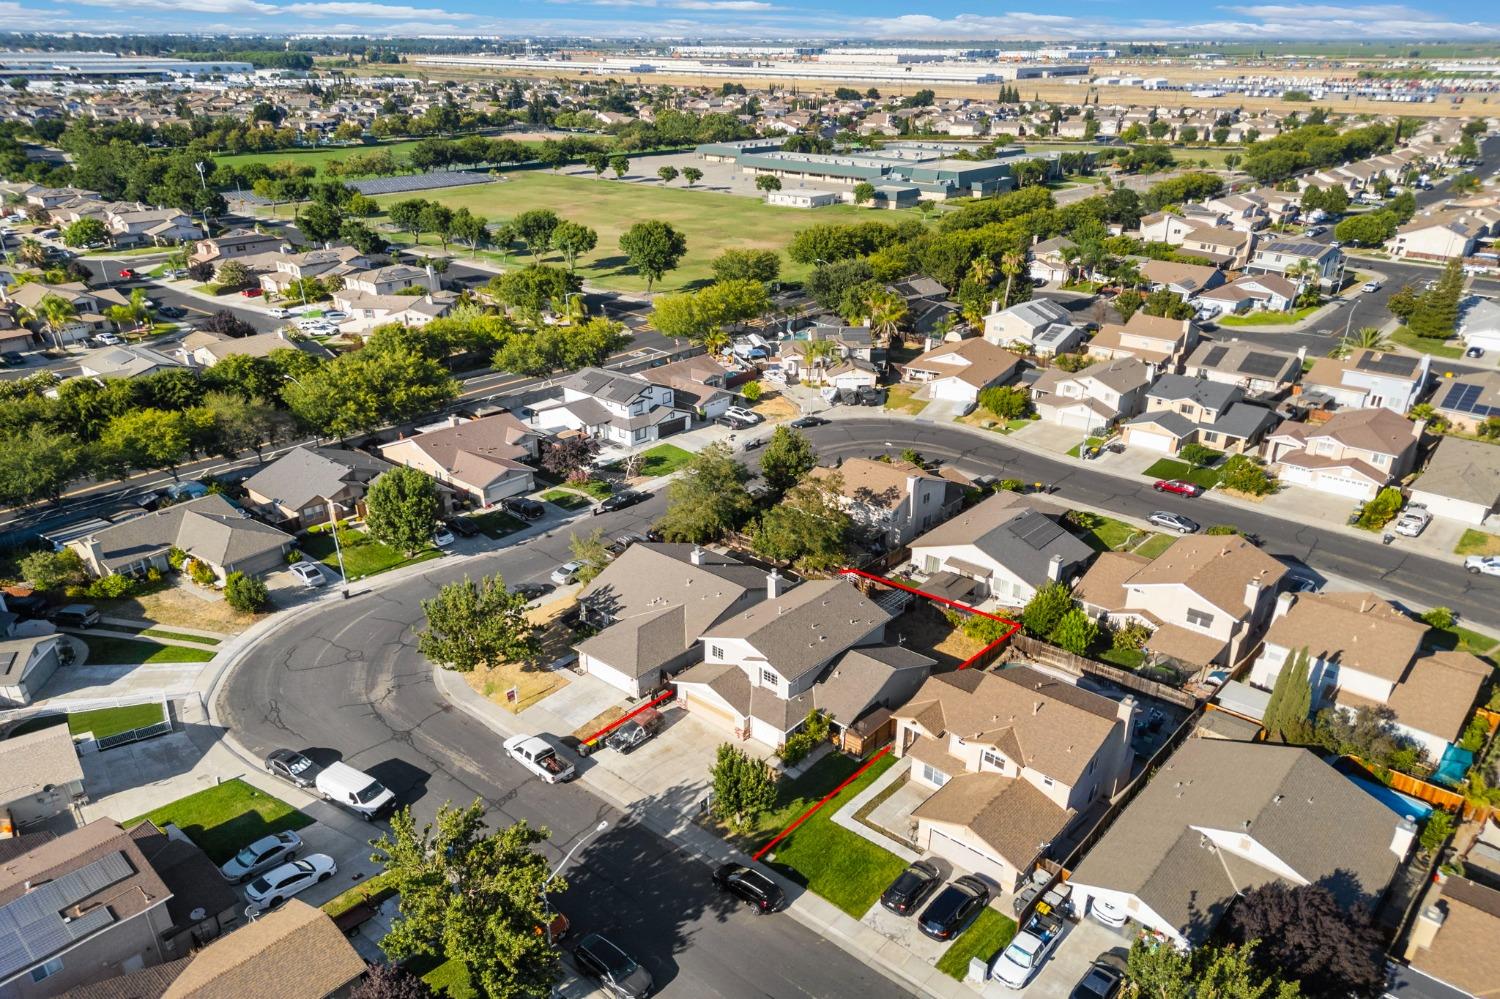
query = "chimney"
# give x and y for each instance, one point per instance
(1054, 568)
(697, 556)
(432, 280)
(1252, 595)
(1424, 930)
(1401, 839)
(994, 306)
(1125, 710)
(1283, 604)
(775, 585)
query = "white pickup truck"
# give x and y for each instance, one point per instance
(533, 753)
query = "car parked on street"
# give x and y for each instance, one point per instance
(1177, 486)
(262, 855)
(619, 501)
(749, 886)
(442, 537)
(1172, 522)
(954, 908)
(532, 591)
(804, 422)
(1370, 286)
(617, 972)
(310, 574)
(292, 767)
(566, 573)
(12, 358)
(1474, 352)
(281, 883)
(127, 274)
(911, 888)
(1488, 565)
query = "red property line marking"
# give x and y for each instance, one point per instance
(621, 721)
(821, 802)
(1014, 627)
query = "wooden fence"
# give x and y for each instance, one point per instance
(1415, 787)
(1051, 655)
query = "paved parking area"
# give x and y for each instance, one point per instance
(1083, 944)
(672, 766)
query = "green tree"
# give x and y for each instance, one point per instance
(708, 498)
(620, 164)
(1379, 511)
(246, 594)
(590, 550)
(573, 240)
(407, 215)
(473, 624)
(597, 162)
(807, 528)
(747, 265)
(359, 392)
(1247, 475)
(1128, 302)
(864, 192)
(86, 232)
(1369, 229)
(402, 509)
(533, 287)
(667, 174)
(536, 227)
(767, 183)
(1436, 313)
(473, 896)
(1075, 631)
(48, 570)
(1288, 710)
(37, 464)
(1045, 609)
(1007, 403)
(232, 274)
(744, 788)
(652, 247)
(788, 457)
(146, 438)
(692, 175)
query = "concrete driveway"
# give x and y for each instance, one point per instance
(1083, 944)
(672, 766)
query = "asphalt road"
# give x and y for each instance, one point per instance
(347, 682)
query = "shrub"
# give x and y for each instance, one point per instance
(1474, 733)
(1436, 830)
(1006, 403)
(110, 588)
(1075, 631)
(1245, 474)
(246, 594)
(812, 734)
(47, 570)
(176, 557)
(752, 391)
(1440, 618)
(202, 573)
(1132, 636)
(153, 576)
(1379, 511)
(1010, 486)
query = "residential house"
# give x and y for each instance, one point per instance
(1004, 549)
(1438, 235)
(13, 337)
(129, 360)
(1094, 398)
(1245, 212)
(928, 308)
(1287, 256)
(484, 459)
(324, 264)
(90, 308)
(1048, 262)
(819, 646)
(367, 311)
(1041, 325)
(1254, 370)
(1011, 759)
(1367, 379)
(1227, 248)
(1447, 948)
(43, 778)
(391, 279)
(1479, 323)
(301, 488)
(1159, 342)
(1182, 410)
(893, 501)
(959, 371)
(1164, 227)
(1250, 292)
(1221, 817)
(1364, 652)
(27, 662)
(210, 529)
(1208, 597)
(698, 383)
(808, 356)
(205, 348)
(653, 603)
(234, 245)
(203, 905)
(1469, 400)
(1186, 280)
(621, 409)
(155, 226)
(1461, 481)
(1355, 454)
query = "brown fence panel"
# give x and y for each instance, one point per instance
(1051, 655)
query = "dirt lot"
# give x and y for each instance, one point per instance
(775, 406)
(179, 606)
(532, 683)
(925, 630)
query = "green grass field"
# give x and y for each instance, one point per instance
(711, 222)
(1269, 318)
(105, 651)
(664, 459)
(226, 817)
(1170, 468)
(1426, 345)
(315, 157)
(1477, 543)
(990, 933)
(363, 555)
(565, 499)
(496, 523)
(101, 722)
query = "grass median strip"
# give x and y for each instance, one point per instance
(985, 937)
(106, 651)
(227, 817)
(178, 636)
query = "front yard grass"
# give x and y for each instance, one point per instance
(985, 937)
(496, 523)
(899, 398)
(1153, 545)
(1425, 345)
(374, 889)
(566, 500)
(664, 459)
(106, 651)
(1077, 449)
(530, 681)
(1462, 639)
(985, 420)
(1108, 534)
(224, 818)
(841, 866)
(1476, 542)
(363, 555)
(1171, 468)
(1269, 318)
(178, 636)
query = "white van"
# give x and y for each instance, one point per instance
(359, 792)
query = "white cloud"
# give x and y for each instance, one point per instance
(191, 6)
(355, 8)
(708, 5)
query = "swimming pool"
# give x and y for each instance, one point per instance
(1403, 805)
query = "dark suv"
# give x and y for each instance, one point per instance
(750, 886)
(955, 907)
(911, 889)
(620, 974)
(526, 509)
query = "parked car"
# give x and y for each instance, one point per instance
(281, 883)
(252, 292)
(277, 312)
(1172, 522)
(756, 443)
(310, 574)
(804, 422)
(532, 591)
(442, 537)
(617, 546)
(127, 274)
(462, 526)
(108, 340)
(1177, 486)
(292, 767)
(617, 972)
(1108, 913)
(1018, 963)
(335, 316)
(1474, 352)
(1488, 565)
(566, 573)
(171, 312)
(537, 755)
(619, 501)
(262, 855)
(355, 790)
(744, 415)
(1101, 981)
(911, 888)
(76, 616)
(12, 358)
(954, 908)
(1413, 520)
(526, 509)
(733, 423)
(1370, 286)
(749, 886)
(636, 731)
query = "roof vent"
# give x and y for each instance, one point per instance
(1278, 798)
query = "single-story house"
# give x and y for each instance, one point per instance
(482, 459)
(211, 529)
(1462, 481)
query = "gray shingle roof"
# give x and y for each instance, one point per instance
(1210, 395)
(1022, 540)
(1464, 470)
(602, 384)
(35, 760)
(805, 628)
(305, 474)
(210, 528)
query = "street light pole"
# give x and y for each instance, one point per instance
(333, 520)
(559, 869)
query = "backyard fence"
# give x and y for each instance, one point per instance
(1051, 655)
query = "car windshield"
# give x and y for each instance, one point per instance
(1021, 952)
(260, 886)
(1095, 983)
(371, 791)
(247, 857)
(615, 961)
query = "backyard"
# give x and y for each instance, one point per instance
(224, 818)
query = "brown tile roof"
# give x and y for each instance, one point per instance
(1103, 585)
(1438, 691)
(1359, 630)
(987, 365)
(295, 952)
(1217, 568)
(1010, 815)
(1463, 954)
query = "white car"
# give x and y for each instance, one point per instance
(1108, 913)
(310, 573)
(442, 537)
(335, 316)
(566, 573)
(277, 885)
(1414, 520)
(1488, 565)
(1372, 286)
(279, 313)
(741, 413)
(108, 340)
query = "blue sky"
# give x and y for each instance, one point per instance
(888, 20)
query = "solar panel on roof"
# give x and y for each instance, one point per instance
(32, 926)
(1215, 355)
(1385, 364)
(1256, 363)
(1464, 398)
(1038, 532)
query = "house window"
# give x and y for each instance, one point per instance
(715, 652)
(46, 970)
(993, 759)
(932, 775)
(1199, 619)
(1048, 781)
(930, 564)
(769, 677)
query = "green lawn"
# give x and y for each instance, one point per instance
(1124, 658)
(1477, 543)
(363, 555)
(106, 651)
(496, 523)
(1109, 534)
(664, 459)
(1425, 345)
(1269, 318)
(1154, 545)
(711, 222)
(843, 867)
(899, 398)
(566, 500)
(101, 722)
(1077, 449)
(316, 157)
(1462, 640)
(226, 817)
(374, 889)
(1170, 468)
(179, 636)
(985, 937)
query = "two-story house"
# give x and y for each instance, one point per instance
(1040, 326)
(1286, 256)
(1165, 227)
(820, 645)
(1364, 652)
(90, 307)
(155, 226)
(1257, 371)
(1012, 759)
(1183, 410)
(482, 459)
(1437, 236)
(233, 246)
(620, 409)
(1160, 343)
(892, 501)
(960, 370)
(1093, 398)
(1367, 379)
(1208, 598)
(337, 261)
(390, 279)
(1355, 454)
(698, 383)
(1227, 248)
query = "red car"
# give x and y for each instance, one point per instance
(1177, 486)
(251, 292)
(127, 274)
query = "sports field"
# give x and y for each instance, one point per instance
(315, 157)
(711, 222)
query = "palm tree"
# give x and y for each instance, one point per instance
(716, 340)
(982, 270)
(1128, 274)
(1302, 272)
(32, 251)
(134, 312)
(1070, 255)
(887, 313)
(1365, 338)
(52, 312)
(1011, 264)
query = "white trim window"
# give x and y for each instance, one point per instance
(769, 677)
(933, 775)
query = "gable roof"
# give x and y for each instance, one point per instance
(1207, 394)
(476, 452)
(1465, 470)
(294, 952)
(875, 483)
(36, 760)
(1244, 359)
(1357, 629)
(1021, 539)
(1217, 568)
(305, 474)
(1008, 814)
(1463, 954)
(210, 528)
(986, 364)
(806, 627)
(612, 386)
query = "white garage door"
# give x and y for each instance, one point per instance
(1341, 485)
(1150, 441)
(953, 390)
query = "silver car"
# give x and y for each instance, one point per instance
(262, 855)
(1172, 522)
(281, 883)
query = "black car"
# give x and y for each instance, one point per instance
(732, 423)
(1102, 981)
(462, 526)
(12, 358)
(870, 395)
(526, 509)
(955, 907)
(617, 972)
(292, 767)
(532, 590)
(620, 500)
(749, 886)
(911, 889)
(171, 312)
(804, 422)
